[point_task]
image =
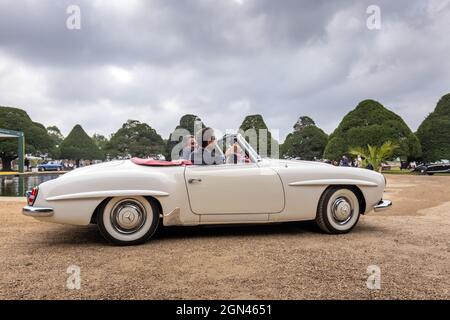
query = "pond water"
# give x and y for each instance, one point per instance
(17, 186)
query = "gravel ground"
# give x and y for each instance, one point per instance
(410, 243)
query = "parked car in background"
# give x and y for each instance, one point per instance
(432, 168)
(50, 167)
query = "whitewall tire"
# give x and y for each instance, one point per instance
(128, 220)
(338, 210)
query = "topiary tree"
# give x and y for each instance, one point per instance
(434, 132)
(189, 124)
(255, 130)
(372, 124)
(135, 139)
(78, 145)
(37, 140)
(307, 141)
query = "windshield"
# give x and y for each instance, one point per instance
(227, 141)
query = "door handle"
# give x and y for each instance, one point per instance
(194, 180)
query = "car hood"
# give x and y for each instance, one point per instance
(300, 163)
(314, 167)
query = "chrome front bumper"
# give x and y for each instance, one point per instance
(382, 205)
(37, 211)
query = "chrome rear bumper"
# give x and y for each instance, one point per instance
(37, 211)
(382, 205)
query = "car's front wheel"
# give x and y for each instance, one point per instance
(338, 210)
(128, 220)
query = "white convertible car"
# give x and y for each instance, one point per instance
(129, 199)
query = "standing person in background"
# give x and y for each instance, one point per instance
(27, 164)
(344, 162)
(359, 161)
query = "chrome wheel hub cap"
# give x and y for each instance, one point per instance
(128, 216)
(342, 210)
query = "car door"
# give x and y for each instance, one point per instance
(234, 188)
(434, 168)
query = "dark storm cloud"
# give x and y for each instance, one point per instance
(156, 60)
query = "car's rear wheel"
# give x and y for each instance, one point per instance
(338, 210)
(128, 220)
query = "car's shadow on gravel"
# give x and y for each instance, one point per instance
(90, 235)
(66, 235)
(235, 230)
(307, 228)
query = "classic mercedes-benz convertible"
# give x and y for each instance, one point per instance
(129, 199)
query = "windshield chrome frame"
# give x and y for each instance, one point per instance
(254, 156)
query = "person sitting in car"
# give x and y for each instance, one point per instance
(209, 153)
(189, 145)
(234, 154)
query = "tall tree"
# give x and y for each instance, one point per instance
(100, 141)
(135, 139)
(434, 132)
(189, 124)
(57, 137)
(55, 134)
(372, 124)
(259, 136)
(307, 141)
(78, 145)
(37, 140)
(303, 122)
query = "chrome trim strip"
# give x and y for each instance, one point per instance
(37, 211)
(108, 193)
(326, 182)
(382, 205)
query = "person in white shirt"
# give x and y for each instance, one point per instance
(189, 145)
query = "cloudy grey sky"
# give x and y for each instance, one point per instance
(156, 60)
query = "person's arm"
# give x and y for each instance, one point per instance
(229, 151)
